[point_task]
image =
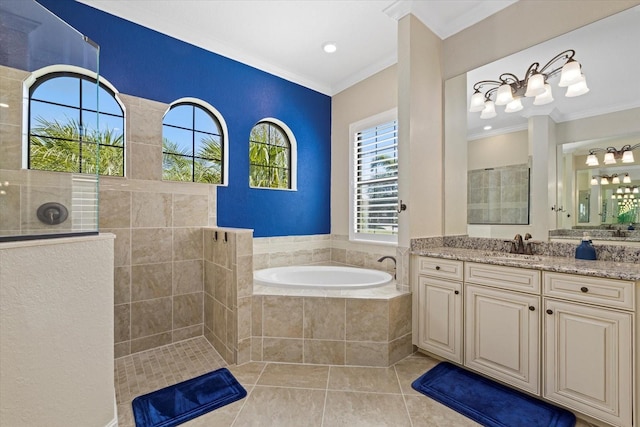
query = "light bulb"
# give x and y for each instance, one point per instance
(535, 85)
(489, 111)
(592, 160)
(609, 158)
(615, 180)
(627, 157)
(513, 106)
(594, 181)
(577, 89)
(504, 95)
(544, 98)
(626, 179)
(604, 181)
(477, 102)
(570, 73)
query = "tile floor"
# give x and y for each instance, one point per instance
(283, 395)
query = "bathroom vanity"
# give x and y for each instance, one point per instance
(562, 329)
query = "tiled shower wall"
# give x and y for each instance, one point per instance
(159, 265)
(228, 289)
(158, 225)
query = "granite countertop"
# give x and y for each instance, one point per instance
(606, 269)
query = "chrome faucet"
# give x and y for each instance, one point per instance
(394, 263)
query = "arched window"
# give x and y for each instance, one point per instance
(193, 143)
(272, 156)
(75, 125)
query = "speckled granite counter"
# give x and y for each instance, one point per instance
(562, 264)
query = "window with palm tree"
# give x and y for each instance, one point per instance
(192, 145)
(75, 125)
(269, 156)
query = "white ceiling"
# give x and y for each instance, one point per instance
(285, 37)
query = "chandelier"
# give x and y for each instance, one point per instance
(610, 179)
(612, 155)
(509, 89)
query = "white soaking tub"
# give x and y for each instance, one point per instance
(321, 277)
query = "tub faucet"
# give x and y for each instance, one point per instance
(394, 263)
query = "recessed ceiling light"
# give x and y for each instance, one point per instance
(329, 47)
(487, 127)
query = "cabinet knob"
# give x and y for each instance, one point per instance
(584, 289)
(456, 292)
(549, 311)
(437, 267)
(532, 308)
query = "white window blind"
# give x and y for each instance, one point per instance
(375, 181)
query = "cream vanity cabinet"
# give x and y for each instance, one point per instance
(439, 303)
(588, 345)
(502, 323)
(566, 337)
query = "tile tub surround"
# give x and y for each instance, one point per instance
(368, 327)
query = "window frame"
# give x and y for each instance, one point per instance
(293, 154)
(224, 137)
(354, 129)
(51, 72)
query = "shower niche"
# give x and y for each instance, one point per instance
(50, 201)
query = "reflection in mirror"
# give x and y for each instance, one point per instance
(498, 195)
(605, 116)
(611, 191)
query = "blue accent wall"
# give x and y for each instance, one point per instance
(147, 64)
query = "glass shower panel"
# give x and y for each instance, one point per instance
(56, 200)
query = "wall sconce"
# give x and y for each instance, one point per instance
(612, 155)
(509, 89)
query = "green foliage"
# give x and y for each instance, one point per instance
(180, 165)
(61, 147)
(268, 157)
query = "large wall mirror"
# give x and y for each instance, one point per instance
(555, 138)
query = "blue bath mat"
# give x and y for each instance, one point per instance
(487, 402)
(189, 399)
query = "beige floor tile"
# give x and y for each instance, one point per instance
(248, 373)
(374, 380)
(426, 412)
(409, 369)
(289, 375)
(355, 409)
(282, 407)
(221, 417)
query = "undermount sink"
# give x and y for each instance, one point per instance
(515, 257)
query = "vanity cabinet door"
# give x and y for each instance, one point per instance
(502, 332)
(440, 317)
(588, 360)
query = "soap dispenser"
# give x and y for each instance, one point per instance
(585, 249)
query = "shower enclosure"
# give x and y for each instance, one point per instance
(44, 199)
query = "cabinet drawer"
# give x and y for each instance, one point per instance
(595, 290)
(439, 267)
(513, 278)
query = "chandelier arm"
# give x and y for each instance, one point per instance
(487, 94)
(504, 78)
(567, 54)
(478, 85)
(633, 147)
(533, 68)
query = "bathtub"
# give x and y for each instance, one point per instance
(321, 277)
